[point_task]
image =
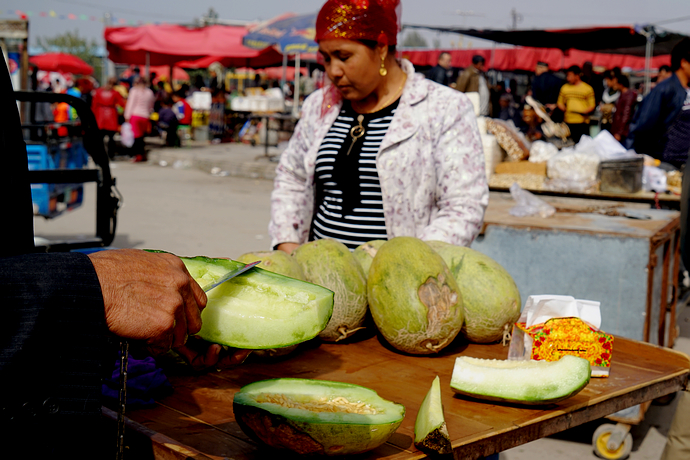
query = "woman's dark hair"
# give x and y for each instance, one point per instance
(372, 44)
(624, 81)
(680, 51)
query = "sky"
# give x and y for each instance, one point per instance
(44, 15)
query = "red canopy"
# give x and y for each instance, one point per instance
(161, 71)
(527, 58)
(170, 44)
(61, 62)
(266, 57)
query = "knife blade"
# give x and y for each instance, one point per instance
(230, 275)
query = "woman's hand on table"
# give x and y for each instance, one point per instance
(287, 247)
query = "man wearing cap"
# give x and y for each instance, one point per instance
(472, 80)
(546, 86)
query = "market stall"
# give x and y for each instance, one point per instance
(198, 421)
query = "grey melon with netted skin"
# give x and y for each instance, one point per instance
(330, 264)
(413, 297)
(275, 261)
(490, 297)
(366, 252)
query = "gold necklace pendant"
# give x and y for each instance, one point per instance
(356, 132)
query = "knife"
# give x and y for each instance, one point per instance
(230, 275)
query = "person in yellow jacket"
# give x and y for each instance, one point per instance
(576, 100)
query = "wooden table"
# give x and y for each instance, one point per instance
(197, 420)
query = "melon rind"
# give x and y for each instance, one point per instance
(315, 433)
(258, 309)
(365, 254)
(520, 382)
(401, 267)
(430, 430)
(330, 264)
(275, 261)
(490, 297)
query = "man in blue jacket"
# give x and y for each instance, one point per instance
(661, 126)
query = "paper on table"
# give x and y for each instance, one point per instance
(541, 308)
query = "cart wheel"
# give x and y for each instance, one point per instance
(600, 440)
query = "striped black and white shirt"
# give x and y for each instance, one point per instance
(349, 206)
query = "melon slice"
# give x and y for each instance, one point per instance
(316, 417)
(521, 382)
(258, 309)
(430, 431)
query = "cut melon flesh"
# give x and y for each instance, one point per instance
(316, 416)
(258, 309)
(430, 431)
(523, 382)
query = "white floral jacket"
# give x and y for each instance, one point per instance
(430, 165)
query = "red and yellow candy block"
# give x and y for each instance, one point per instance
(571, 336)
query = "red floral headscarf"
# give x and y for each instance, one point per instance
(376, 20)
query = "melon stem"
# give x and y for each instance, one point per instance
(345, 332)
(506, 335)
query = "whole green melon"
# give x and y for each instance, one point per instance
(276, 262)
(490, 296)
(330, 264)
(316, 417)
(413, 297)
(366, 252)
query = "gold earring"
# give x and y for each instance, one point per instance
(383, 71)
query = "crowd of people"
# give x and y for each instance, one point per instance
(149, 105)
(583, 99)
(379, 152)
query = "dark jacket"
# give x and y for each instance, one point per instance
(546, 87)
(655, 115)
(53, 333)
(439, 75)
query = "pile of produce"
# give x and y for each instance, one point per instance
(421, 296)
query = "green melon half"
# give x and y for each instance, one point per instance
(305, 427)
(430, 431)
(521, 382)
(258, 309)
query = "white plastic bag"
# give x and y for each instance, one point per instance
(542, 151)
(127, 134)
(654, 179)
(528, 204)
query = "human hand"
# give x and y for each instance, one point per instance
(201, 355)
(618, 137)
(287, 247)
(149, 297)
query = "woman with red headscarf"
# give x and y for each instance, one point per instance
(380, 151)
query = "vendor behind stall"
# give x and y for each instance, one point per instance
(381, 151)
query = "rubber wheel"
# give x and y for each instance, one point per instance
(601, 437)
